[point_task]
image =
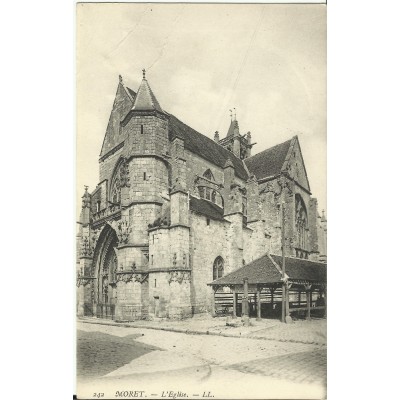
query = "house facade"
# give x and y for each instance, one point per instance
(175, 210)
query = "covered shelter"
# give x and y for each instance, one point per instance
(302, 290)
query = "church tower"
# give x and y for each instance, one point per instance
(239, 145)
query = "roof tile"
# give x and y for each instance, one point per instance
(269, 162)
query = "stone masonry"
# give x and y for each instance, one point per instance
(175, 210)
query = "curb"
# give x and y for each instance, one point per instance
(193, 332)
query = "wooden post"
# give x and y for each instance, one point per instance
(308, 293)
(283, 301)
(234, 302)
(214, 289)
(245, 302)
(287, 300)
(258, 303)
(308, 305)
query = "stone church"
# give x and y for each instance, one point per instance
(175, 210)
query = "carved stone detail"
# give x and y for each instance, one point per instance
(86, 251)
(86, 198)
(131, 277)
(179, 276)
(84, 280)
(94, 238)
(123, 231)
(124, 175)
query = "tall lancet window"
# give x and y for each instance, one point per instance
(218, 268)
(301, 223)
(206, 192)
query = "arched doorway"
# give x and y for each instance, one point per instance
(106, 266)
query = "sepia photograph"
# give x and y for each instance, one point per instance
(201, 205)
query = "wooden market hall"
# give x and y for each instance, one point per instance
(263, 289)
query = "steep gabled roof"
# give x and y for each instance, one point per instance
(269, 162)
(267, 269)
(123, 102)
(204, 146)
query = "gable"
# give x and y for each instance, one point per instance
(122, 104)
(269, 162)
(294, 164)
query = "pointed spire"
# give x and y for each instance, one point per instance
(145, 99)
(234, 126)
(86, 198)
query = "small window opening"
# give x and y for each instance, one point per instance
(141, 129)
(144, 176)
(98, 206)
(155, 282)
(152, 260)
(208, 221)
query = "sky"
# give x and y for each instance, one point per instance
(201, 60)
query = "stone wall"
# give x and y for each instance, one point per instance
(153, 140)
(107, 166)
(207, 242)
(148, 179)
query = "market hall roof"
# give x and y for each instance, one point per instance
(268, 269)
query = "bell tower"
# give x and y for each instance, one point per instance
(239, 145)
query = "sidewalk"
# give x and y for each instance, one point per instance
(308, 332)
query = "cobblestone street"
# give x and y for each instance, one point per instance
(113, 358)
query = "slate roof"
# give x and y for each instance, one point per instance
(269, 162)
(301, 269)
(206, 208)
(145, 99)
(204, 146)
(263, 270)
(121, 107)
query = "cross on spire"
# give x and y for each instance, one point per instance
(144, 73)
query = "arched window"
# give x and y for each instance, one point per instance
(115, 191)
(209, 175)
(301, 223)
(218, 268)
